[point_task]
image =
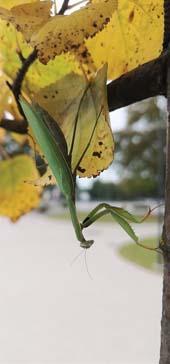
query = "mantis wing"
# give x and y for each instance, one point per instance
(52, 142)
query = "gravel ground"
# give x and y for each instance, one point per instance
(51, 311)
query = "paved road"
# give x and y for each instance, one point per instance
(52, 312)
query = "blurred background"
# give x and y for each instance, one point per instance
(60, 304)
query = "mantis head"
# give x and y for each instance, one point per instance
(86, 244)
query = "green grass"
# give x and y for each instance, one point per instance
(66, 216)
(142, 257)
(81, 214)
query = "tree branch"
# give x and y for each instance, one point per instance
(26, 63)
(17, 84)
(145, 81)
(166, 41)
(16, 87)
(64, 7)
(16, 126)
(165, 322)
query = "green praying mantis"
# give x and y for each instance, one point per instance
(52, 142)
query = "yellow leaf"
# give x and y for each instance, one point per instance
(133, 36)
(10, 62)
(2, 135)
(45, 180)
(7, 102)
(28, 18)
(16, 196)
(8, 4)
(38, 75)
(3, 97)
(72, 95)
(19, 138)
(67, 33)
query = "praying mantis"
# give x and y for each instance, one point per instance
(53, 144)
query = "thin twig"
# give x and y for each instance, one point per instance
(64, 7)
(17, 84)
(21, 57)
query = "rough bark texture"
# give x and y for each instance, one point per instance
(165, 322)
(166, 24)
(143, 82)
(16, 126)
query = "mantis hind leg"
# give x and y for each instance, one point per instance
(105, 209)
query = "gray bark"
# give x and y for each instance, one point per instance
(165, 322)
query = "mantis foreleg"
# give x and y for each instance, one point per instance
(77, 227)
(96, 214)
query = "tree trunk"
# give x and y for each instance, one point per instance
(165, 323)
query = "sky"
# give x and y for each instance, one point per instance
(59, 2)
